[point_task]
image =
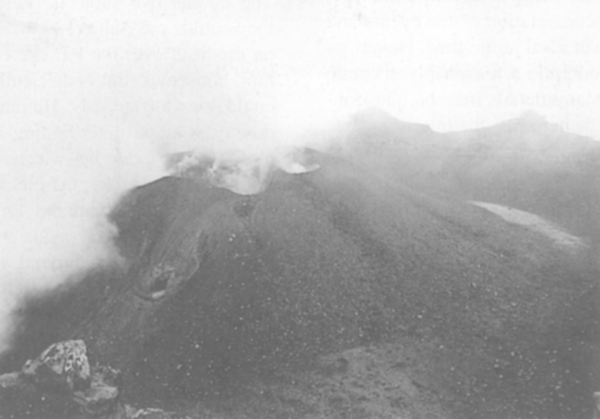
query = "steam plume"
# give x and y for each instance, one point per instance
(89, 108)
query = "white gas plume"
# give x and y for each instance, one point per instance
(244, 173)
(90, 105)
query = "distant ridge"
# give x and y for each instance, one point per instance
(376, 122)
(526, 162)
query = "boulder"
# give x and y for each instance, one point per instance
(60, 383)
(62, 367)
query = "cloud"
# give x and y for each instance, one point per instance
(92, 102)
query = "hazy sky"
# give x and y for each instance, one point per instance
(452, 64)
(91, 92)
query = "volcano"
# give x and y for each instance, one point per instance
(330, 293)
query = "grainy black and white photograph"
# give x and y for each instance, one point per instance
(302, 209)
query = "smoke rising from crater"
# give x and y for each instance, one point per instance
(92, 103)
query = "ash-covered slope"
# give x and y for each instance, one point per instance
(531, 164)
(220, 289)
(526, 162)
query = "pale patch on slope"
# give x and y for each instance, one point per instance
(535, 223)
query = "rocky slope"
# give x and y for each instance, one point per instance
(333, 293)
(527, 163)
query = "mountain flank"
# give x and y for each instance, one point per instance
(392, 302)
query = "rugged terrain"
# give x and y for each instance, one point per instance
(346, 292)
(526, 162)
